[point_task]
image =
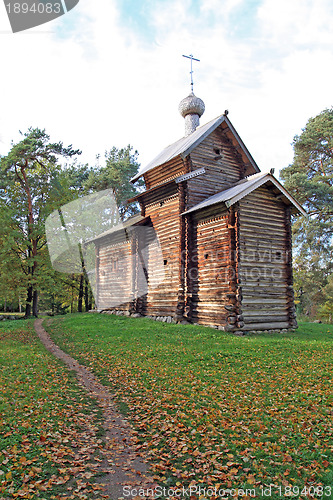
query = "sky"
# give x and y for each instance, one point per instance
(111, 73)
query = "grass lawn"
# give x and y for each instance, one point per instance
(49, 428)
(211, 408)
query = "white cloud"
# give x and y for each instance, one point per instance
(300, 22)
(96, 83)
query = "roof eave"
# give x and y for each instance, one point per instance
(151, 190)
(121, 227)
(292, 200)
(261, 181)
(241, 143)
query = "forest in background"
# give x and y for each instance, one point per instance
(38, 177)
(309, 179)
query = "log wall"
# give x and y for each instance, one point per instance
(114, 274)
(222, 165)
(166, 172)
(209, 274)
(264, 261)
(162, 300)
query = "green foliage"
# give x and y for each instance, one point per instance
(32, 185)
(35, 148)
(121, 165)
(326, 309)
(29, 192)
(310, 176)
(212, 408)
(310, 179)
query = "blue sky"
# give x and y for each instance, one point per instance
(136, 15)
(112, 73)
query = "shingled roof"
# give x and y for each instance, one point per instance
(243, 188)
(184, 146)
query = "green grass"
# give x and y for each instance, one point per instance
(213, 408)
(48, 426)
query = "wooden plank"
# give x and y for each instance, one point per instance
(266, 326)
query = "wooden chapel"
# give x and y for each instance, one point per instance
(224, 229)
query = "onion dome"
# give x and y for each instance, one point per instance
(191, 105)
(191, 108)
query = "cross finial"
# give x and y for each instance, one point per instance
(191, 72)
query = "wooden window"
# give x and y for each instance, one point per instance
(278, 255)
(218, 153)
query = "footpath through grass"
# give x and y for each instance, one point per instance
(49, 427)
(214, 409)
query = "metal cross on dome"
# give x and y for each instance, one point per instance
(191, 72)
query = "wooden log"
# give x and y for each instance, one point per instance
(266, 326)
(263, 264)
(182, 253)
(257, 316)
(289, 270)
(162, 173)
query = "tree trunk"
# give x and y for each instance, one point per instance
(32, 296)
(86, 293)
(90, 299)
(35, 304)
(80, 299)
(28, 302)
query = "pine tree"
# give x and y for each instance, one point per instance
(310, 179)
(121, 165)
(28, 193)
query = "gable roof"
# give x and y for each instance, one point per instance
(243, 188)
(184, 146)
(123, 226)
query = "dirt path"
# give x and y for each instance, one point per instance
(126, 466)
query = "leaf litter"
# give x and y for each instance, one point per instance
(55, 441)
(212, 409)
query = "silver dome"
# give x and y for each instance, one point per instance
(191, 105)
